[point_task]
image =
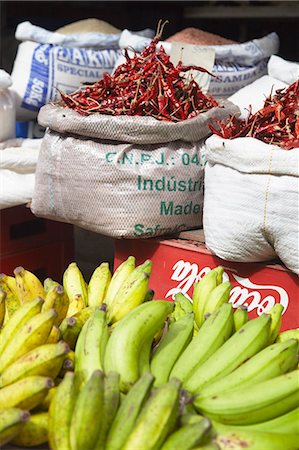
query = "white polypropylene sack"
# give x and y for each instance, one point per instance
(18, 159)
(235, 66)
(122, 176)
(251, 201)
(286, 71)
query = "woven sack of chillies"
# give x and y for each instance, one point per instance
(252, 183)
(122, 157)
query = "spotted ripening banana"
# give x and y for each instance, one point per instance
(34, 332)
(214, 332)
(288, 334)
(270, 362)
(286, 423)
(201, 292)
(60, 413)
(249, 340)
(276, 315)
(240, 317)
(16, 322)
(26, 393)
(188, 436)
(12, 302)
(2, 307)
(171, 346)
(110, 407)
(71, 327)
(98, 285)
(76, 305)
(28, 285)
(91, 345)
(34, 432)
(229, 437)
(128, 412)
(126, 341)
(44, 360)
(86, 421)
(12, 420)
(74, 284)
(118, 278)
(263, 401)
(157, 418)
(57, 299)
(131, 294)
(54, 336)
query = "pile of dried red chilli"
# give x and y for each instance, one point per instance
(145, 85)
(276, 123)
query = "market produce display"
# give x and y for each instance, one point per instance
(125, 371)
(276, 123)
(145, 85)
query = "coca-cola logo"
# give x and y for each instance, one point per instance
(257, 297)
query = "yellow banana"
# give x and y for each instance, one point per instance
(98, 285)
(118, 278)
(45, 404)
(76, 305)
(33, 333)
(2, 307)
(28, 285)
(55, 335)
(74, 283)
(34, 432)
(12, 420)
(45, 360)
(12, 302)
(68, 364)
(26, 393)
(56, 298)
(276, 315)
(49, 283)
(16, 322)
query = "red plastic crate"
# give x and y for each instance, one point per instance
(178, 264)
(20, 230)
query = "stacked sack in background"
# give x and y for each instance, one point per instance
(133, 169)
(142, 374)
(251, 179)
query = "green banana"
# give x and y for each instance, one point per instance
(71, 327)
(12, 420)
(249, 340)
(157, 418)
(74, 284)
(2, 307)
(240, 317)
(84, 429)
(201, 292)
(238, 439)
(28, 285)
(16, 322)
(45, 360)
(56, 298)
(210, 446)
(60, 413)
(34, 332)
(286, 423)
(215, 330)
(270, 362)
(26, 393)
(9, 286)
(149, 295)
(128, 412)
(276, 315)
(288, 334)
(263, 401)
(184, 302)
(118, 278)
(188, 436)
(34, 432)
(218, 296)
(131, 294)
(91, 345)
(126, 341)
(109, 410)
(98, 285)
(145, 356)
(171, 346)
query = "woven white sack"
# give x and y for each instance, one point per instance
(122, 176)
(251, 201)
